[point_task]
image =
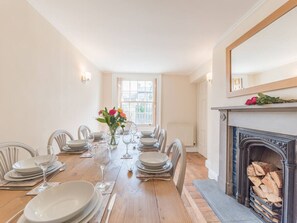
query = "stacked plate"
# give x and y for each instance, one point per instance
(153, 162)
(28, 170)
(148, 141)
(74, 201)
(76, 146)
(98, 135)
(146, 134)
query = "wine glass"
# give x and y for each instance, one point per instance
(102, 158)
(43, 162)
(90, 139)
(133, 131)
(127, 140)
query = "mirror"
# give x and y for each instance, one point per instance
(265, 58)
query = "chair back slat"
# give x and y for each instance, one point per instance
(178, 154)
(162, 140)
(83, 132)
(60, 137)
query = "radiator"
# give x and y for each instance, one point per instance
(182, 131)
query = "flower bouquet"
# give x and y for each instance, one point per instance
(114, 118)
(264, 99)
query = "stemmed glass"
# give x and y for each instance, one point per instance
(133, 131)
(127, 140)
(90, 138)
(44, 162)
(102, 158)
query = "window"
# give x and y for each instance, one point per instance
(138, 100)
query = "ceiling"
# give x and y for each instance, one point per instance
(144, 36)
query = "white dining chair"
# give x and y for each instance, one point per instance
(83, 132)
(162, 140)
(156, 132)
(178, 156)
(9, 154)
(60, 137)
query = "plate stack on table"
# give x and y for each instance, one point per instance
(146, 134)
(24, 170)
(153, 163)
(74, 201)
(148, 144)
(98, 136)
(76, 146)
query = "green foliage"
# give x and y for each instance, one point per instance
(264, 99)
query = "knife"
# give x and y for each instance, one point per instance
(110, 205)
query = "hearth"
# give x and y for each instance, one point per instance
(257, 158)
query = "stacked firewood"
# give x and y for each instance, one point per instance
(267, 182)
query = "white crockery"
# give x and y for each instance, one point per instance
(148, 141)
(60, 203)
(152, 171)
(28, 165)
(146, 133)
(77, 143)
(153, 158)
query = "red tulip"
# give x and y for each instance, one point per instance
(112, 111)
(254, 100)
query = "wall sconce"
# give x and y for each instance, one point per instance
(86, 76)
(209, 77)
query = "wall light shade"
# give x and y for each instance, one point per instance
(86, 76)
(209, 77)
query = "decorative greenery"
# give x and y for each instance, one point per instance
(264, 99)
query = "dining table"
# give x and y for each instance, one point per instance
(136, 201)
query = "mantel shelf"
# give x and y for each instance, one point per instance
(258, 108)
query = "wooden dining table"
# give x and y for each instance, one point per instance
(137, 201)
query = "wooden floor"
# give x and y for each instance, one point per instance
(197, 207)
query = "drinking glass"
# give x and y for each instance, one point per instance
(44, 162)
(102, 158)
(133, 131)
(90, 139)
(127, 140)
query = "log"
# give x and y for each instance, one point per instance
(265, 189)
(262, 168)
(270, 183)
(251, 171)
(274, 199)
(259, 192)
(277, 176)
(255, 180)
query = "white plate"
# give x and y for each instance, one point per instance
(7, 175)
(146, 133)
(60, 203)
(145, 170)
(167, 166)
(148, 141)
(98, 135)
(76, 143)
(86, 215)
(153, 158)
(27, 166)
(75, 149)
(15, 174)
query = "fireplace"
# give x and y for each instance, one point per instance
(244, 130)
(274, 154)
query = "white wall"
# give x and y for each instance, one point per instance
(217, 93)
(40, 87)
(179, 102)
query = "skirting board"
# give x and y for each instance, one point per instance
(211, 174)
(191, 149)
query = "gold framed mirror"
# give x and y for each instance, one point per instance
(265, 58)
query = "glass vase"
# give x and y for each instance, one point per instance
(113, 138)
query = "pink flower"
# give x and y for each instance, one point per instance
(254, 100)
(248, 102)
(100, 112)
(112, 111)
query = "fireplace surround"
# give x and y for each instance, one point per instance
(272, 127)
